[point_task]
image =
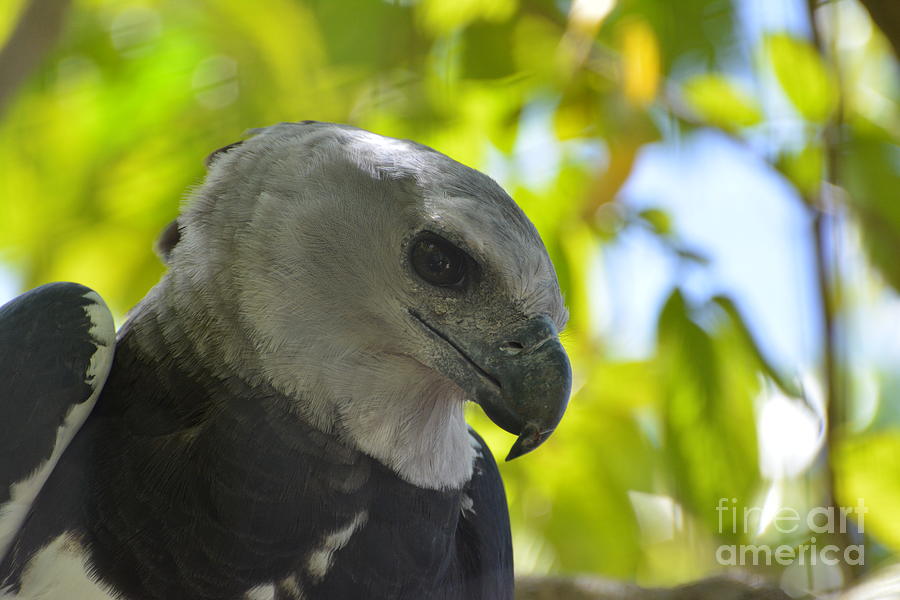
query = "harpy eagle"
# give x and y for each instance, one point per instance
(281, 417)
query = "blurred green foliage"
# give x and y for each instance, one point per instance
(101, 144)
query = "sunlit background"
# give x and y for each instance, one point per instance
(674, 156)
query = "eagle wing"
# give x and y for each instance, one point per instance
(56, 349)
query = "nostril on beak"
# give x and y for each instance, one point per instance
(511, 348)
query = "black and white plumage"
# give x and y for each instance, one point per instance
(283, 415)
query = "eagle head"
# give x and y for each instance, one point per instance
(380, 285)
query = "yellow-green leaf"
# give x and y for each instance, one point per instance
(804, 77)
(440, 17)
(577, 114)
(719, 102)
(868, 471)
(658, 219)
(804, 168)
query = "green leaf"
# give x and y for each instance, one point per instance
(578, 112)
(870, 172)
(365, 46)
(688, 30)
(718, 101)
(9, 13)
(710, 440)
(868, 469)
(487, 51)
(805, 168)
(659, 220)
(441, 17)
(766, 365)
(804, 77)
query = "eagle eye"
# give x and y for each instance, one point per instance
(437, 261)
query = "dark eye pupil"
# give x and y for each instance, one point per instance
(438, 262)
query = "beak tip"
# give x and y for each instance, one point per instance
(530, 438)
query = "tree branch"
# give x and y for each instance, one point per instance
(886, 14)
(594, 588)
(828, 286)
(36, 32)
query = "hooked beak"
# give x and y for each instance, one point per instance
(523, 379)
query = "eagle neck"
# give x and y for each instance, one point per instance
(227, 488)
